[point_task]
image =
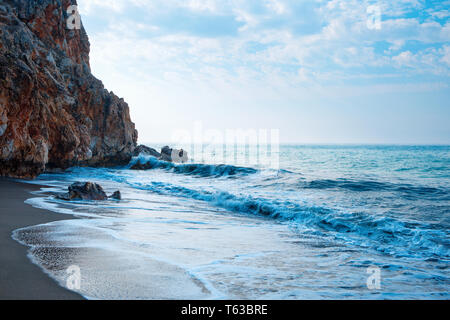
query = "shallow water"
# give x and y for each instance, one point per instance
(307, 231)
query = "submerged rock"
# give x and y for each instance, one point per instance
(53, 112)
(141, 166)
(87, 191)
(116, 195)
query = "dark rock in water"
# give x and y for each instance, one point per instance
(116, 195)
(141, 149)
(173, 155)
(166, 154)
(141, 166)
(53, 112)
(87, 191)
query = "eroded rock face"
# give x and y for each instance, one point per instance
(53, 112)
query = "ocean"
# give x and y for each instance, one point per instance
(332, 222)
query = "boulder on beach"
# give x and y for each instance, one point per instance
(87, 191)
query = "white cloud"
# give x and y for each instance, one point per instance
(446, 55)
(267, 49)
(406, 58)
(276, 6)
(91, 6)
(269, 63)
(440, 14)
(200, 5)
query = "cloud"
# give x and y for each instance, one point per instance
(87, 7)
(303, 66)
(406, 58)
(446, 55)
(291, 42)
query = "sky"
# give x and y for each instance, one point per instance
(323, 71)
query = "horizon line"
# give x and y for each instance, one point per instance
(321, 143)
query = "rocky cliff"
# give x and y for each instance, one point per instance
(53, 112)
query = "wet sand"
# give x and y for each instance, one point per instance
(19, 277)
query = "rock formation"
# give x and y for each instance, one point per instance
(53, 112)
(116, 195)
(87, 191)
(167, 154)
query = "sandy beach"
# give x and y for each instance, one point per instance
(19, 278)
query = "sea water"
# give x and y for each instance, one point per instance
(321, 226)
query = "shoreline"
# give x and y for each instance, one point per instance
(20, 278)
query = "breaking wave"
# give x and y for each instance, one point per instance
(195, 169)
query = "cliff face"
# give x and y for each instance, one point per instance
(53, 112)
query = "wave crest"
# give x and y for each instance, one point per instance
(407, 190)
(196, 169)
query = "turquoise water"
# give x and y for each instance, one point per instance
(307, 230)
